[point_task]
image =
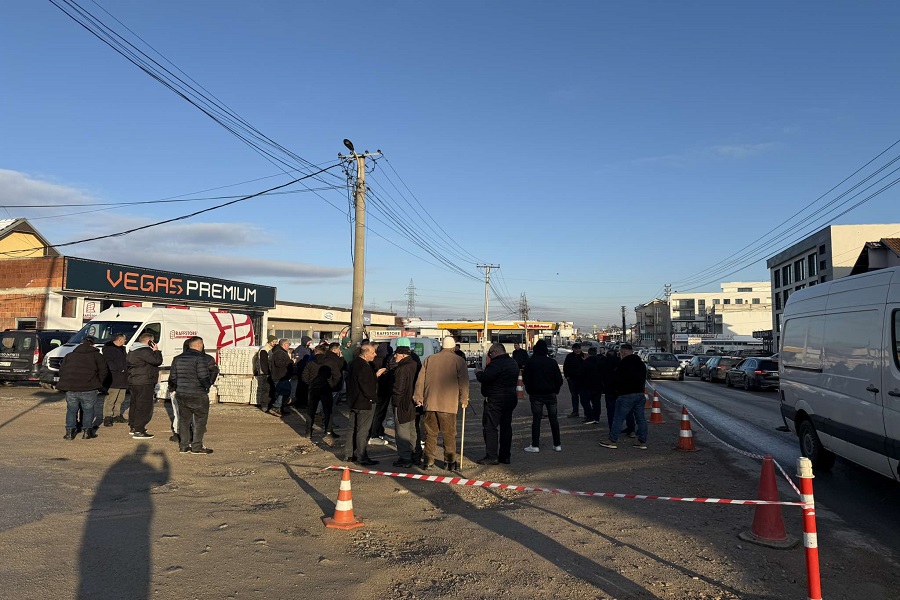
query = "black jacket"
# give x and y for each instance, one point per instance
(607, 367)
(499, 378)
(116, 360)
(590, 374)
(573, 366)
(383, 360)
(630, 376)
(520, 356)
(143, 365)
(541, 375)
(337, 369)
(82, 370)
(361, 385)
(404, 384)
(281, 364)
(190, 373)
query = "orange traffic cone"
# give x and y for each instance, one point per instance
(768, 526)
(686, 436)
(343, 510)
(656, 410)
(520, 387)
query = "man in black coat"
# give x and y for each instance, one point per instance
(498, 386)
(542, 382)
(362, 383)
(117, 382)
(629, 380)
(144, 359)
(191, 379)
(403, 385)
(573, 369)
(383, 359)
(81, 374)
(592, 387)
(281, 363)
(520, 355)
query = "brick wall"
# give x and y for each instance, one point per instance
(17, 279)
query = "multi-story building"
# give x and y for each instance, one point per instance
(827, 254)
(652, 324)
(739, 309)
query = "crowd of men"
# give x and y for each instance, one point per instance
(384, 385)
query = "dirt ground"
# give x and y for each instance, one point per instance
(119, 518)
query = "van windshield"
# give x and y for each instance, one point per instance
(103, 331)
(17, 341)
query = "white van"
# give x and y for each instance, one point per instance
(170, 327)
(423, 346)
(840, 370)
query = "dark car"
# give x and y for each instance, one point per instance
(754, 374)
(693, 367)
(23, 350)
(716, 367)
(663, 365)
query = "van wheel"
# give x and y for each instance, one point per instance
(728, 382)
(811, 447)
(747, 385)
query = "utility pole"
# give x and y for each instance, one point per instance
(523, 310)
(359, 241)
(623, 324)
(485, 342)
(668, 288)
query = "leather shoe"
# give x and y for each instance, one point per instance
(402, 464)
(487, 460)
(427, 466)
(368, 462)
(454, 466)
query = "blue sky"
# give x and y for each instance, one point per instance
(594, 150)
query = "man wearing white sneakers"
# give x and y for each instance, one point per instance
(542, 382)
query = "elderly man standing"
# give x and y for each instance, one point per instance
(442, 386)
(362, 383)
(81, 374)
(498, 386)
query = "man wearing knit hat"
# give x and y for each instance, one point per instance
(442, 387)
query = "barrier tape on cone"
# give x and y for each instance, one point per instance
(525, 488)
(738, 450)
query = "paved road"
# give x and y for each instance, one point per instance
(864, 501)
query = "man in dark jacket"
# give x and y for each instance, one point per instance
(117, 382)
(362, 383)
(190, 379)
(264, 368)
(383, 360)
(592, 387)
(573, 369)
(403, 385)
(542, 382)
(213, 368)
(608, 364)
(520, 355)
(81, 374)
(335, 359)
(498, 386)
(302, 354)
(281, 363)
(143, 361)
(629, 380)
(310, 374)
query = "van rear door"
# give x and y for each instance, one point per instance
(890, 378)
(18, 355)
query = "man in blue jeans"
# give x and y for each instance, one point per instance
(81, 374)
(628, 381)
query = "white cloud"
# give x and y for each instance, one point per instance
(741, 150)
(698, 155)
(20, 188)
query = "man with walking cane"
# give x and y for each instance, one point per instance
(498, 386)
(442, 387)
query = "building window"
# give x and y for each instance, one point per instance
(799, 270)
(822, 249)
(755, 301)
(716, 301)
(811, 265)
(823, 279)
(799, 287)
(26, 323)
(745, 289)
(68, 307)
(786, 294)
(778, 301)
(738, 300)
(786, 273)
(821, 265)
(777, 278)
(727, 301)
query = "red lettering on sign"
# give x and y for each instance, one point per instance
(131, 281)
(111, 282)
(175, 286)
(162, 284)
(147, 283)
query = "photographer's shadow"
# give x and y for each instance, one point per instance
(115, 558)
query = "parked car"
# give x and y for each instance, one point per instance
(22, 351)
(684, 359)
(754, 374)
(693, 368)
(664, 365)
(715, 368)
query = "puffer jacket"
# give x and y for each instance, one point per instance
(190, 373)
(82, 370)
(143, 365)
(499, 378)
(443, 382)
(117, 361)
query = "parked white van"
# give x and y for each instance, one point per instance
(840, 370)
(170, 328)
(423, 346)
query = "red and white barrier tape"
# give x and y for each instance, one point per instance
(525, 488)
(738, 450)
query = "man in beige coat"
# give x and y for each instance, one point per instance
(442, 386)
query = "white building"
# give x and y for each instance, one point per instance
(735, 312)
